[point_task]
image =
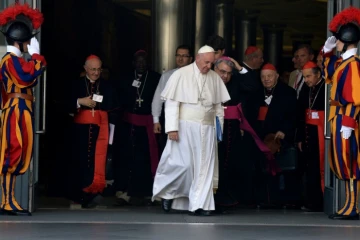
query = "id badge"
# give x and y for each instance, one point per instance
(136, 83)
(97, 98)
(314, 115)
(268, 100)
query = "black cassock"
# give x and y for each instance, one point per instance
(281, 116)
(230, 158)
(249, 84)
(132, 159)
(307, 134)
(84, 136)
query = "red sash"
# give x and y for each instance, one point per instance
(320, 126)
(235, 112)
(262, 113)
(146, 121)
(99, 118)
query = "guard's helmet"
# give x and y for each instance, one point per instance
(19, 22)
(348, 33)
(19, 32)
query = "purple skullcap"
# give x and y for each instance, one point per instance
(140, 53)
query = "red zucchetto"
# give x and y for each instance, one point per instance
(269, 66)
(250, 50)
(92, 56)
(309, 64)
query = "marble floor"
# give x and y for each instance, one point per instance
(152, 223)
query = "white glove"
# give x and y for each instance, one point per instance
(346, 131)
(330, 44)
(33, 47)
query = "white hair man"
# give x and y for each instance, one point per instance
(184, 177)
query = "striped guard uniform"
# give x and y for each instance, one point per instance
(344, 77)
(17, 76)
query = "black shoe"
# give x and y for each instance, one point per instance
(15, 212)
(201, 212)
(343, 217)
(89, 205)
(166, 204)
(91, 201)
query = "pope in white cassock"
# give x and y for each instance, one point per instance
(184, 177)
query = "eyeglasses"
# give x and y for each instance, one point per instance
(95, 69)
(223, 72)
(182, 56)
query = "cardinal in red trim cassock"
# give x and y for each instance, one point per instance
(310, 134)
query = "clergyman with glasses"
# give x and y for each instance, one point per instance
(229, 153)
(93, 103)
(183, 57)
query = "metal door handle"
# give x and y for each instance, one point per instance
(43, 130)
(326, 123)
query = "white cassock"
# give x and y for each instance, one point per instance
(186, 168)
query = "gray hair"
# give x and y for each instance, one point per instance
(227, 62)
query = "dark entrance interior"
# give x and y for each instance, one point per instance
(114, 30)
(72, 30)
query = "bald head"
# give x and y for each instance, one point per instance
(93, 61)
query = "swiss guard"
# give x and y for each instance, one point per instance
(18, 23)
(343, 75)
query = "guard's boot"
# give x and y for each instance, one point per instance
(350, 209)
(9, 204)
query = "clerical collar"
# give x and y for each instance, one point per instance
(318, 83)
(248, 66)
(13, 50)
(139, 75)
(92, 81)
(349, 53)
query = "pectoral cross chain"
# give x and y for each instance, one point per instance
(92, 112)
(139, 101)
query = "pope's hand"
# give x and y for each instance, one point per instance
(346, 131)
(174, 136)
(330, 44)
(33, 47)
